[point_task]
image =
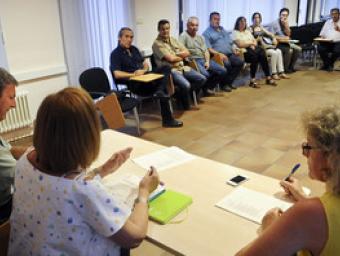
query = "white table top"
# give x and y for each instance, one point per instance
(206, 229)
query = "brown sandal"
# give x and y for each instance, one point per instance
(253, 84)
(271, 82)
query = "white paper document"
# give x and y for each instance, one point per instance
(164, 158)
(251, 204)
(126, 188)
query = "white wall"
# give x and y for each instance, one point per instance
(147, 14)
(34, 48)
(292, 5)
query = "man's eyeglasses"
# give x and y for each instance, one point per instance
(306, 148)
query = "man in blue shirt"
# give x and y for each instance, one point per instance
(219, 41)
(126, 62)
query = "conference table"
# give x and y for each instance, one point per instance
(204, 229)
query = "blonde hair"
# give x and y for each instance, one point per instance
(67, 131)
(323, 126)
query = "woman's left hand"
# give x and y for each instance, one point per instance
(115, 161)
(271, 216)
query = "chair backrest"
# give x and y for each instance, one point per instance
(153, 62)
(171, 85)
(111, 111)
(95, 80)
(4, 238)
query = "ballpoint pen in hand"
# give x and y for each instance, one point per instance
(297, 166)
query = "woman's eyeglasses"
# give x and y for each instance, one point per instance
(306, 148)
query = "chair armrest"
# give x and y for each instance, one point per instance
(95, 95)
(119, 94)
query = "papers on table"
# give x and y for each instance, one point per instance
(250, 204)
(164, 158)
(126, 188)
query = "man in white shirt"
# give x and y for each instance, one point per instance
(330, 51)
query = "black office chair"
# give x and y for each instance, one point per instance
(96, 83)
(124, 85)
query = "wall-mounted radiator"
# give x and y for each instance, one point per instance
(19, 117)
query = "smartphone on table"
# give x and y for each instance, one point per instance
(237, 180)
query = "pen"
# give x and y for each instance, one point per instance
(297, 166)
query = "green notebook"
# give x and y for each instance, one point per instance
(166, 206)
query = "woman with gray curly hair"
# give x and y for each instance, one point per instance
(311, 226)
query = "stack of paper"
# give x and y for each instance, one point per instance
(164, 158)
(251, 204)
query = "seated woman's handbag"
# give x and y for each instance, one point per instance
(266, 42)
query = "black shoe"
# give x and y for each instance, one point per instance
(327, 68)
(232, 87)
(226, 89)
(173, 123)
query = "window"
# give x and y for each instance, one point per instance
(230, 11)
(326, 6)
(90, 32)
(3, 59)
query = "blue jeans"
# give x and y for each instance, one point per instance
(233, 65)
(215, 74)
(185, 82)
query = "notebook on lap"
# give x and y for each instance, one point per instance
(167, 205)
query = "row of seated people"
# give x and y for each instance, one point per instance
(169, 55)
(251, 45)
(60, 208)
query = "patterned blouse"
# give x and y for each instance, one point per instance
(58, 216)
